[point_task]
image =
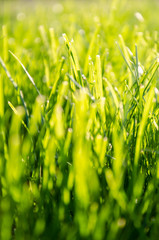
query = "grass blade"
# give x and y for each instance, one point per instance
(112, 92)
(20, 93)
(74, 59)
(90, 50)
(126, 61)
(5, 43)
(99, 81)
(30, 78)
(147, 108)
(16, 112)
(1, 97)
(80, 87)
(137, 64)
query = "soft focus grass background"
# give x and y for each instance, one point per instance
(79, 142)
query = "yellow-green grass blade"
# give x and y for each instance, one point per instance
(151, 78)
(14, 177)
(17, 113)
(119, 155)
(80, 87)
(115, 98)
(137, 64)
(5, 43)
(74, 59)
(27, 73)
(1, 97)
(54, 87)
(148, 106)
(126, 59)
(99, 80)
(47, 72)
(53, 45)
(90, 50)
(44, 36)
(19, 92)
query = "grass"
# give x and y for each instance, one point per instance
(79, 142)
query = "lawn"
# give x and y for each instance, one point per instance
(79, 120)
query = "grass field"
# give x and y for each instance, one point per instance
(79, 120)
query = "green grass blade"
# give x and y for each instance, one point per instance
(74, 59)
(53, 45)
(151, 79)
(1, 98)
(20, 93)
(44, 36)
(90, 50)
(80, 87)
(112, 92)
(54, 87)
(137, 64)
(5, 43)
(99, 80)
(126, 61)
(30, 78)
(16, 112)
(147, 108)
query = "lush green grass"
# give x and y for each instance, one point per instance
(79, 118)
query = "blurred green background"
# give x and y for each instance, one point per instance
(79, 164)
